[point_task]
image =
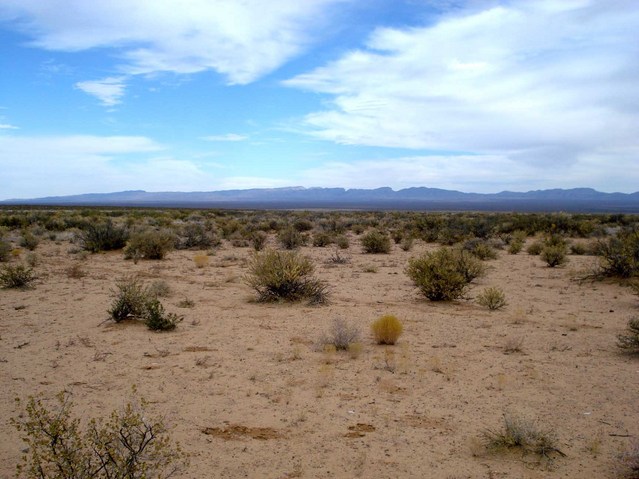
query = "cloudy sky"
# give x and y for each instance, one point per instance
(474, 95)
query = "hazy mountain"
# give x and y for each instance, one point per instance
(421, 198)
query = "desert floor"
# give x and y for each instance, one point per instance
(247, 391)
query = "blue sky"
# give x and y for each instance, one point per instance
(474, 95)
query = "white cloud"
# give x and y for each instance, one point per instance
(534, 81)
(226, 137)
(108, 90)
(36, 166)
(7, 126)
(242, 40)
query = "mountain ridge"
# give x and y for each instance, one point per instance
(415, 198)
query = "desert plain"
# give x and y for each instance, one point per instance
(248, 390)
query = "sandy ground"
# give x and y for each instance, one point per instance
(247, 392)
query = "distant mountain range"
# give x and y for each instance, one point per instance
(420, 198)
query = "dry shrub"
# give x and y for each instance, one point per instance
(5, 250)
(291, 238)
(387, 329)
(201, 260)
(125, 445)
(341, 335)
(75, 271)
(554, 255)
(285, 275)
(492, 298)
(258, 240)
(519, 433)
(619, 255)
(629, 462)
(16, 276)
(629, 341)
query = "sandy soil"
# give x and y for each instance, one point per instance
(247, 392)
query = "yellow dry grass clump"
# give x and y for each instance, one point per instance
(387, 329)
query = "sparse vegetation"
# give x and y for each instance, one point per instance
(387, 329)
(376, 242)
(619, 255)
(16, 276)
(445, 274)
(341, 335)
(492, 298)
(628, 466)
(126, 445)
(629, 340)
(525, 435)
(5, 250)
(291, 238)
(157, 319)
(285, 275)
(554, 255)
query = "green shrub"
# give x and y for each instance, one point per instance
(407, 243)
(619, 255)
(629, 341)
(514, 247)
(5, 250)
(342, 242)
(387, 329)
(258, 240)
(16, 276)
(578, 249)
(479, 248)
(285, 275)
(290, 238)
(524, 435)
(197, 235)
(96, 237)
(125, 445)
(129, 301)
(492, 298)
(535, 248)
(29, 241)
(149, 244)
(157, 319)
(376, 242)
(322, 239)
(443, 275)
(554, 255)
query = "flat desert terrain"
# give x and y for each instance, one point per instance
(248, 391)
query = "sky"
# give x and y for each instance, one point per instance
(473, 95)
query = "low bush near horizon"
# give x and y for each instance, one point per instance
(105, 236)
(285, 276)
(376, 242)
(149, 244)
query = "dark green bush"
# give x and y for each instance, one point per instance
(445, 274)
(149, 244)
(157, 319)
(376, 242)
(16, 276)
(285, 275)
(96, 237)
